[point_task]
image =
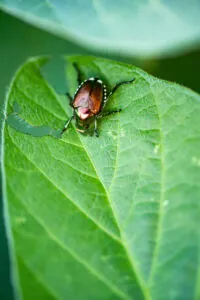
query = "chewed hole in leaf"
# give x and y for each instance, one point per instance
(19, 124)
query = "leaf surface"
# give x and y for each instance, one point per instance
(114, 217)
(149, 27)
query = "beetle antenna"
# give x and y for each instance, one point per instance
(79, 75)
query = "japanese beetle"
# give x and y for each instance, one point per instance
(89, 102)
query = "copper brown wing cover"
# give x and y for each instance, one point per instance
(90, 95)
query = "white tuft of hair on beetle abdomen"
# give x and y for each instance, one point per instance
(105, 93)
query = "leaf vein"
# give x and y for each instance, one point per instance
(103, 229)
(76, 257)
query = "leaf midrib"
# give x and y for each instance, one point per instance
(162, 192)
(123, 237)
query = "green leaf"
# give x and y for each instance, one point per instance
(146, 28)
(114, 217)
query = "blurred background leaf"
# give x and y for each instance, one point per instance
(147, 28)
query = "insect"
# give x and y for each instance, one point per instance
(89, 102)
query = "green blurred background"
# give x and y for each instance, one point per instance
(18, 41)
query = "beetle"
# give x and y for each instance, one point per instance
(89, 102)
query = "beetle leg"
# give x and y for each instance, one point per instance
(80, 130)
(67, 124)
(118, 85)
(96, 132)
(115, 88)
(108, 113)
(79, 75)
